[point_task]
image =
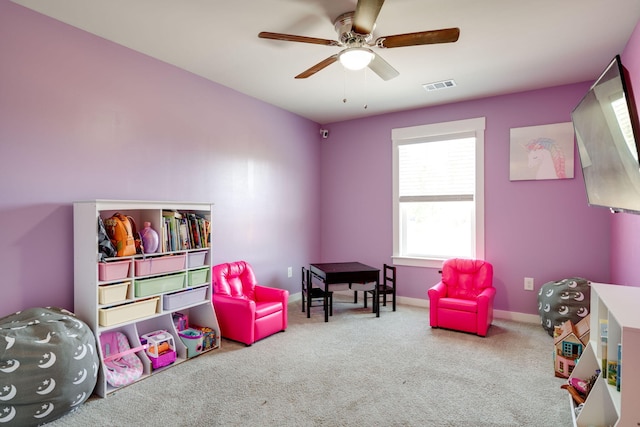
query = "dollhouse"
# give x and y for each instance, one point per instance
(569, 340)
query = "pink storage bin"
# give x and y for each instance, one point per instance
(159, 265)
(113, 270)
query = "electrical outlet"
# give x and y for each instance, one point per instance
(528, 283)
(290, 272)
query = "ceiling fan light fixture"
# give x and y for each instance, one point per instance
(356, 58)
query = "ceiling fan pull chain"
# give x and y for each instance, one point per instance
(366, 93)
(344, 86)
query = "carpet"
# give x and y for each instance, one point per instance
(354, 370)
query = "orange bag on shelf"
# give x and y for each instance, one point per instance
(122, 232)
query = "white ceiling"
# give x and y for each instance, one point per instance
(505, 46)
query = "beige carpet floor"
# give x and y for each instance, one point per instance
(354, 370)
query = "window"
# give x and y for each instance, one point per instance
(619, 106)
(571, 350)
(438, 197)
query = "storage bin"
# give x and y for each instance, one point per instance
(192, 339)
(159, 265)
(127, 312)
(183, 298)
(196, 259)
(197, 277)
(115, 270)
(110, 294)
(158, 285)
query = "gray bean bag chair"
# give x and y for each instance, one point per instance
(566, 299)
(48, 365)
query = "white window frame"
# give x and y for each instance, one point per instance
(463, 128)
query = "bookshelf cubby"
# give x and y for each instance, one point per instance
(617, 307)
(140, 294)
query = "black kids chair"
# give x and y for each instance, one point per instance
(386, 287)
(312, 293)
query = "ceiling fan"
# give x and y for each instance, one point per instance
(355, 34)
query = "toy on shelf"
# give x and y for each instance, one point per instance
(209, 338)
(192, 339)
(180, 321)
(569, 340)
(161, 348)
(579, 388)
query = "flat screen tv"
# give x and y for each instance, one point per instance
(606, 127)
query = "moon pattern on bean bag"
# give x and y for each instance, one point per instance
(566, 299)
(48, 365)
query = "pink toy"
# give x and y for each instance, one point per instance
(149, 238)
(581, 385)
(122, 365)
(161, 348)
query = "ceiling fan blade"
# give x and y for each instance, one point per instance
(294, 38)
(364, 18)
(382, 68)
(447, 35)
(319, 66)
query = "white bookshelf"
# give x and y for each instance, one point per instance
(87, 281)
(619, 306)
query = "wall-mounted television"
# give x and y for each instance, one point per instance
(607, 133)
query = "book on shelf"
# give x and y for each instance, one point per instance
(604, 332)
(612, 371)
(183, 234)
(171, 214)
(184, 231)
(194, 228)
(619, 371)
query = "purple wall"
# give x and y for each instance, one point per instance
(539, 229)
(82, 118)
(625, 230)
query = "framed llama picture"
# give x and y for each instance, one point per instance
(542, 152)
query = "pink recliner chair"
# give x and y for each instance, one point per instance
(463, 299)
(246, 311)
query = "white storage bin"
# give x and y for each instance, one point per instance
(183, 298)
(196, 259)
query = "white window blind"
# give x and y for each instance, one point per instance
(437, 170)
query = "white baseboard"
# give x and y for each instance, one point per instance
(417, 302)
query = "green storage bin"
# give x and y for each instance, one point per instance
(198, 277)
(158, 285)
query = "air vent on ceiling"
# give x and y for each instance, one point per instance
(438, 85)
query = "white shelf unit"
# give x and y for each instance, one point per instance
(87, 283)
(619, 306)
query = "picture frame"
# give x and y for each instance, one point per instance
(543, 152)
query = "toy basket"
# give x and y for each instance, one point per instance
(192, 339)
